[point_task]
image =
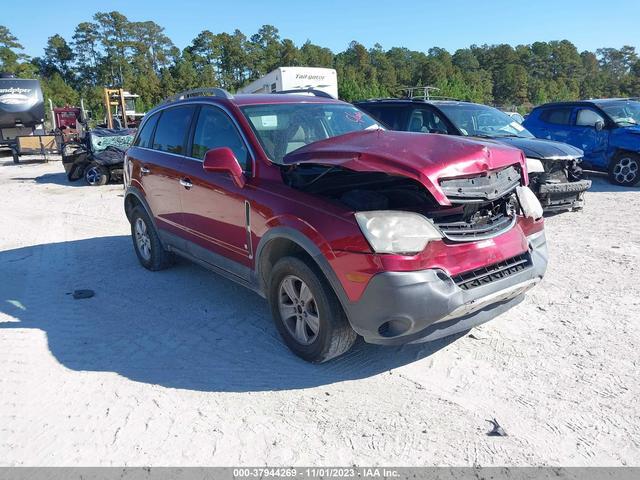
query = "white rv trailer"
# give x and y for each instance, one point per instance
(295, 78)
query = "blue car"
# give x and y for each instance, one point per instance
(608, 131)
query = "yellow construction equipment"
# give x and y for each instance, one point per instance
(114, 97)
(120, 107)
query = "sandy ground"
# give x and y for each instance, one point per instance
(182, 367)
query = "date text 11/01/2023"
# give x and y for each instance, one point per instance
(312, 472)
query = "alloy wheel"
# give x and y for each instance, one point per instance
(298, 310)
(143, 241)
(626, 170)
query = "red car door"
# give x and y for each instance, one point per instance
(158, 160)
(216, 210)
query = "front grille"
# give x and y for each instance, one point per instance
(488, 186)
(483, 206)
(497, 271)
(490, 226)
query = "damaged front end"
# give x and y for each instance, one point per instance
(558, 183)
(481, 263)
(554, 172)
(455, 236)
(480, 206)
(466, 189)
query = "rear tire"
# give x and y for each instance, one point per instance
(307, 312)
(96, 175)
(16, 157)
(624, 169)
(146, 242)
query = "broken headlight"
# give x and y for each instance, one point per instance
(529, 203)
(390, 231)
(534, 165)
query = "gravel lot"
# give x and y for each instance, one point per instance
(183, 367)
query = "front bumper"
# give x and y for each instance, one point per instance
(412, 307)
(563, 196)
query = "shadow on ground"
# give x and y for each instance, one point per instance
(182, 328)
(59, 178)
(52, 178)
(29, 161)
(601, 183)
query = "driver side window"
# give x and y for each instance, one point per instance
(214, 130)
(587, 118)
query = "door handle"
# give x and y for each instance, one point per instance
(186, 183)
(144, 171)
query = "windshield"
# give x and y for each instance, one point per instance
(482, 121)
(622, 113)
(283, 128)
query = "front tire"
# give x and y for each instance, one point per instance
(625, 169)
(307, 312)
(96, 175)
(146, 242)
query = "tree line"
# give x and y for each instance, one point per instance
(111, 50)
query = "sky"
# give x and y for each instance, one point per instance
(417, 25)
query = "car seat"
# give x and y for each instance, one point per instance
(298, 140)
(416, 124)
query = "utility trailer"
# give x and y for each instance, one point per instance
(295, 79)
(43, 145)
(22, 118)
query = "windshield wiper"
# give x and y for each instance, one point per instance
(486, 135)
(481, 135)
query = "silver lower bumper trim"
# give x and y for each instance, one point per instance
(496, 297)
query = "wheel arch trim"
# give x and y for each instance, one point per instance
(309, 247)
(139, 196)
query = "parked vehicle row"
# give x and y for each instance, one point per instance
(554, 171)
(397, 220)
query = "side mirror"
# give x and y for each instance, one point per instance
(599, 125)
(222, 160)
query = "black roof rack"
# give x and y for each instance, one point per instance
(313, 91)
(424, 93)
(199, 92)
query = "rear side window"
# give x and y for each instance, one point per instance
(144, 137)
(214, 130)
(558, 116)
(392, 116)
(172, 129)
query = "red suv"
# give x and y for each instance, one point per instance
(346, 228)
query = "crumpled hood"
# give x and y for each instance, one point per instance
(425, 158)
(543, 149)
